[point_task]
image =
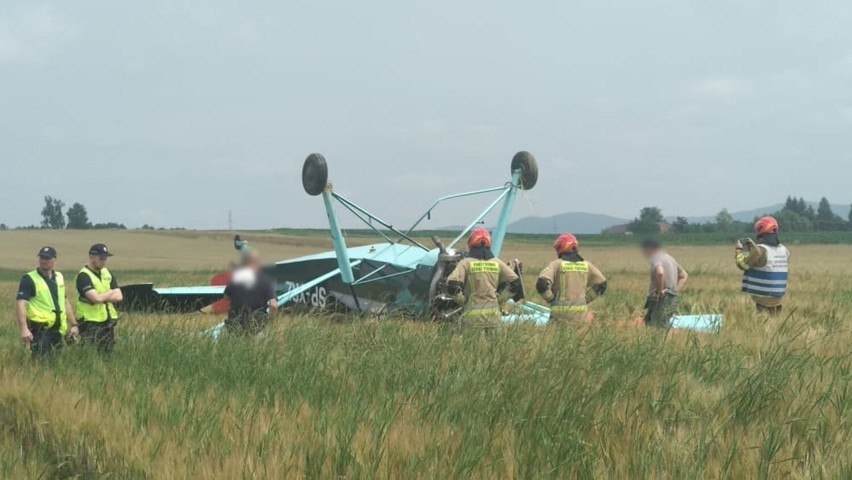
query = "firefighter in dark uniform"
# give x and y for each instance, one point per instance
(97, 294)
(45, 315)
(570, 283)
(477, 280)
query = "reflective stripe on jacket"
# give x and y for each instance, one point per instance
(41, 309)
(770, 280)
(478, 269)
(103, 311)
(570, 274)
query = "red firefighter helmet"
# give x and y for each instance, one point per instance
(566, 243)
(479, 238)
(765, 226)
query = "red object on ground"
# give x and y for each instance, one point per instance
(223, 305)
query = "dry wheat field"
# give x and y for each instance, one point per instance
(381, 398)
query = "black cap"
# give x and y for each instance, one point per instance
(100, 250)
(47, 252)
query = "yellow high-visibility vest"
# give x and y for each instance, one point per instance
(41, 309)
(103, 311)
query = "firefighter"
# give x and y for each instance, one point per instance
(765, 266)
(477, 281)
(569, 283)
(667, 281)
(45, 315)
(97, 294)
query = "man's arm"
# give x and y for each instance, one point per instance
(273, 297)
(597, 281)
(544, 283)
(455, 282)
(112, 296)
(659, 280)
(87, 291)
(116, 296)
(26, 335)
(26, 291)
(115, 291)
(72, 318)
(755, 256)
(512, 280)
(682, 277)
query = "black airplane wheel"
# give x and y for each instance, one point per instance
(526, 162)
(315, 174)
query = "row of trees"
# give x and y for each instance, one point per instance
(796, 216)
(54, 216)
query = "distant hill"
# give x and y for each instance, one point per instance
(574, 222)
(590, 223)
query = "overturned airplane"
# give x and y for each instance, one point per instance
(399, 275)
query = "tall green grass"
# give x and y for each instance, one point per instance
(381, 398)
(406, 400)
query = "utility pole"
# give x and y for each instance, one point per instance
(230, 220)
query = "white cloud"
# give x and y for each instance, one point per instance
(719, 87)
(31, 34)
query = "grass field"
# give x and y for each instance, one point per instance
(369, 398)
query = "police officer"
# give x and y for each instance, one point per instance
(475, 282)
(45, 315)
(667, 281)
(97, 294)
(566, 282)
(765, 266)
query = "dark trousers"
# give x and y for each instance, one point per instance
(661, 310)
(99, 334)
(45, 340)
(246, 323)
(772, 311)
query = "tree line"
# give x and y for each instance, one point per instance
(76, 217)
(796, 216)
(55, 216)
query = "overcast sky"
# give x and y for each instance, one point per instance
(173, 112)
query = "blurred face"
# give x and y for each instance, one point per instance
(46, 264)
(97, 262)
(648, 251)
(254, 260)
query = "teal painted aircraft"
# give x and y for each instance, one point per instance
(398, 275)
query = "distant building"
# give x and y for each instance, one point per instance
(624, 229)
(618, 230)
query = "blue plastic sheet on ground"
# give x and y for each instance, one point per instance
(698, 323)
